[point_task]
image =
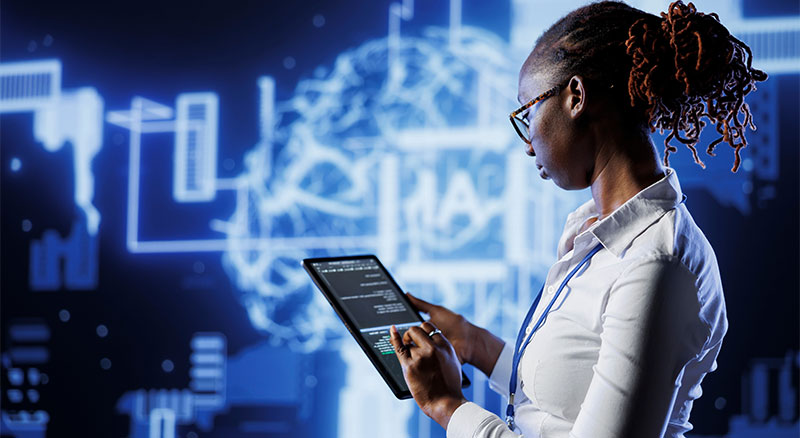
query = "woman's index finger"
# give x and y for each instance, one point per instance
(421, 305)
(400, 349)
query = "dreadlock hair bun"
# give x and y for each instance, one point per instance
(686, 66)
(680, 69)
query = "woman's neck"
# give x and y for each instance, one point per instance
(621, 174)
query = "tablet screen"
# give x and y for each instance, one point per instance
(372, 302)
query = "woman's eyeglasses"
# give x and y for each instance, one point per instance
(518, 117)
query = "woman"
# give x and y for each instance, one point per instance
(632, 315)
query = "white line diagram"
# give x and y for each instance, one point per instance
(381, 160)
(60, 117)
(416, 168)
(419, 166)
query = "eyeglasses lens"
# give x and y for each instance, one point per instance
(521, 127)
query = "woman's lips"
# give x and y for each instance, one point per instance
(530, 152)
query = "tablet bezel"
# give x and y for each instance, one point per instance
(350, 325)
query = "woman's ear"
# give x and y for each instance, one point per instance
(575, 97)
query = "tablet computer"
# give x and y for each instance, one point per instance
(369, 302)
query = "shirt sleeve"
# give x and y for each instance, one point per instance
(501, 373)
(473, 421)
(651, 328)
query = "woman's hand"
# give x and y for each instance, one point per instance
(431, 369)
(472, 344)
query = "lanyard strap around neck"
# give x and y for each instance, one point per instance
(522, 340)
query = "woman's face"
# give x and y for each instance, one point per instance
(558, 141)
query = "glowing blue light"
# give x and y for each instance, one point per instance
(78, 252)
(195, 173)
(33, 395)
(34, 376)
(208, 374)
(198, 267)
(162, 423)
(196, 406)
(15, 395)
(59, 117)
(74, 116)
(16, 377)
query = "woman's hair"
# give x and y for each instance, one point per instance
(668, 72)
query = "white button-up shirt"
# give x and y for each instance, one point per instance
(627, 343)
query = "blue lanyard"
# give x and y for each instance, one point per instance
(512, 386)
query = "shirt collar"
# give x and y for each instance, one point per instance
(617, 230)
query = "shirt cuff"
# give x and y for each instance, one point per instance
(466, 420)
(501, 373)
